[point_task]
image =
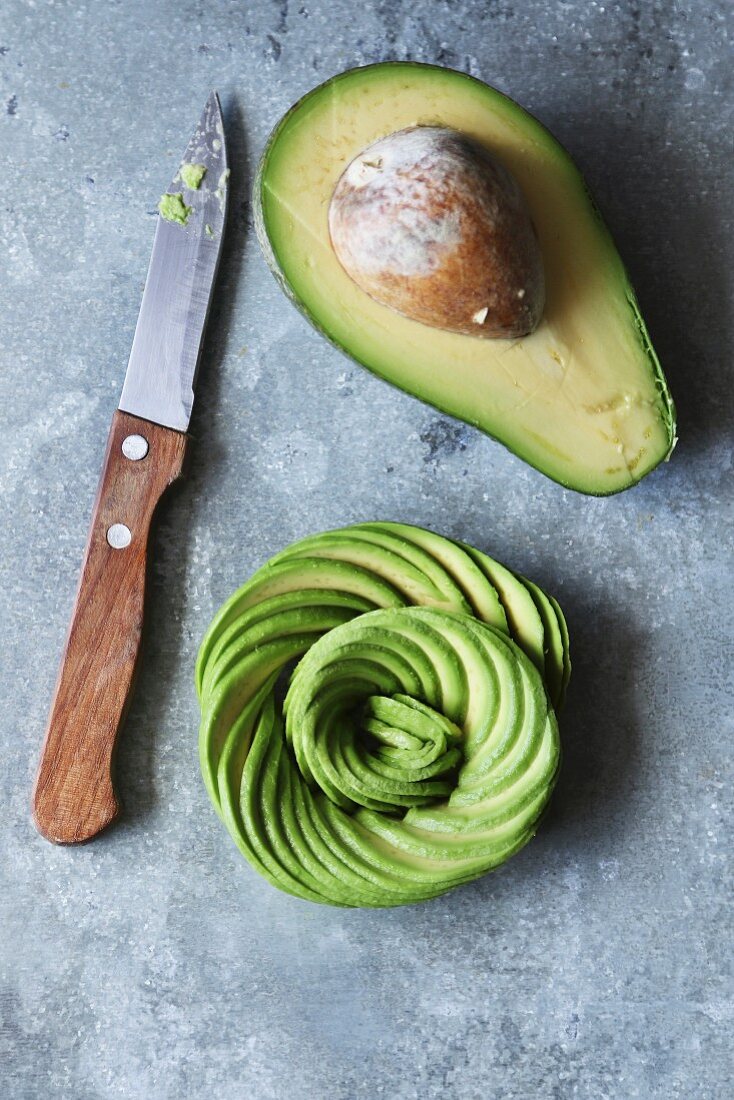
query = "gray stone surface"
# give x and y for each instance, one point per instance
(153, 963)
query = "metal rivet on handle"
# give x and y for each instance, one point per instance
(119, 536)
(135, 447)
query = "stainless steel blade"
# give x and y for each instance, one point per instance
(161, 372)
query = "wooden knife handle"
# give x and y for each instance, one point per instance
(73, 797)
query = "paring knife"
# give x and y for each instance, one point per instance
(73, 798)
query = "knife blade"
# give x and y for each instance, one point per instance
(73, 796)
(161, 372)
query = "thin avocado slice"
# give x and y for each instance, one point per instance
(583, 398)
(417, 745)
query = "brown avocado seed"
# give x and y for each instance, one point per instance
(428, 222)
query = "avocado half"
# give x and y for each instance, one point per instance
(583, 398)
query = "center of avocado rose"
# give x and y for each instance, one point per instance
(429, 223)
(412, 747)
(382, 752)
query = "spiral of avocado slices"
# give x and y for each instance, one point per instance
(417, 744)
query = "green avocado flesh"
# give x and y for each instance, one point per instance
(192, 175)
(174, 209)
(583, 398)
(417, 745)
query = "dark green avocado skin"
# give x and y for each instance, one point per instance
(667, 405)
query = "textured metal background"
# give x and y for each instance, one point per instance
(153, 963)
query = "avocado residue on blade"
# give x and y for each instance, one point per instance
(222, 187)
(192, 175)
(174, 209)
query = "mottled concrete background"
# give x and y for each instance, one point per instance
(153, 963)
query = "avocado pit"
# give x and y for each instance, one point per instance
(429, 223)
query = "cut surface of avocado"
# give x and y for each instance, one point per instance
(583, 398)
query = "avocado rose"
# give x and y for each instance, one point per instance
(416, 747)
